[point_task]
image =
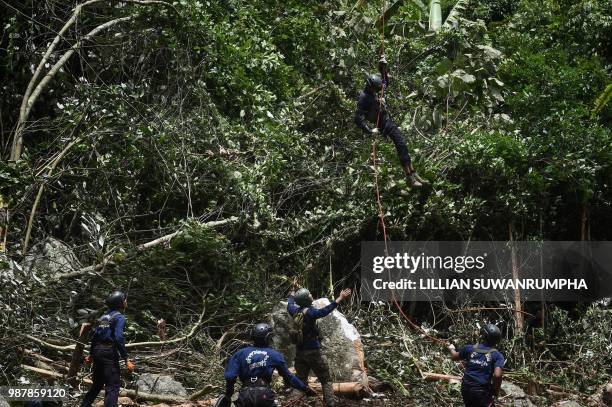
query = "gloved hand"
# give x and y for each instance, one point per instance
(129, 365)
(382, 65)
(375, 131)
(310, 392)
(88, 360)
(451, 347)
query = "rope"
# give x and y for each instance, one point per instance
(381, 212)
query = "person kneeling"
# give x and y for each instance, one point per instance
(254, 365)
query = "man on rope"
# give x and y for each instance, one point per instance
(254, 365)
(107, 344)
(371, 107)
(483, 368)
(308, 343)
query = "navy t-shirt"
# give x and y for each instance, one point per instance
(310, 330)
(479, 367)
(113, 334)
(255, 362)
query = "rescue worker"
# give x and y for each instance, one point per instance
(308, 353)
(484, 365)
(254, 365)
(371, 107)
(107, 344)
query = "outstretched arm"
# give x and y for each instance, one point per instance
(231, 374)
(453, 352)
(292, 307)
(383, 68)
(323, 312)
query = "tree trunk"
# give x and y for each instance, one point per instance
(584, 225)
(519, 319)
(4, 220)
(77, 355)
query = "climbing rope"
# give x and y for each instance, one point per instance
(381, 211)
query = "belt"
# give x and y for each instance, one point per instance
(105, 345)
(255, 382)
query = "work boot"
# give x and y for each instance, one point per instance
(328, 394)
(419, 179)
(412, 181)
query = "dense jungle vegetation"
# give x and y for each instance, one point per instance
(231, 123)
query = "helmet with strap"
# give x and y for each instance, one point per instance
(491, 334)
(261, 333)
(115, 299)
(303, 298)
(374, 82)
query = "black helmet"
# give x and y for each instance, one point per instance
(302, 297)
(115, 299)
(261, 333)
(491, 334)
(374, 81)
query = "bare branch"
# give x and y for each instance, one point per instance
(40, 192)
(33, 91)
(170, 236)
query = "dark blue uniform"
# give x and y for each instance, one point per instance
(107, 343)
(254, 366)
(480, 363)
(308, 354)
(368, 108)
(310, 331)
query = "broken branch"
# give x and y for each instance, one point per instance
(169, 237)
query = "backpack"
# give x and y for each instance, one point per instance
(297, 333)
(104, 325)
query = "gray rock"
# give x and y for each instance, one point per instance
(51, 256)
(517, 396)
(341, 343)
(3, 402)
(160, 384)
(567, 403)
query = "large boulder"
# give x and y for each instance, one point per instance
(341, 343)
(160, 384)
(51, 256)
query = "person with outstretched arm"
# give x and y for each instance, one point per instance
(483, 368)
(308, 347)
(254, 366)
(371, 108)
(107, 344)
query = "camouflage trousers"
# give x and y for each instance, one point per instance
(312, 359)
